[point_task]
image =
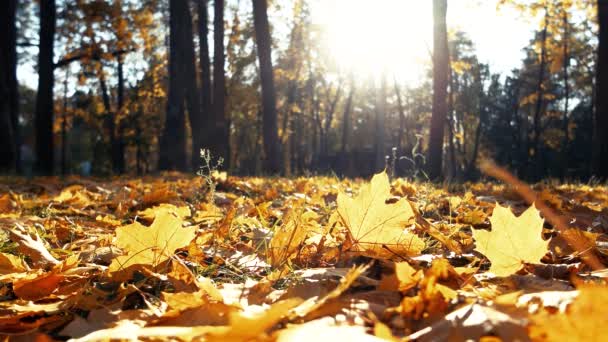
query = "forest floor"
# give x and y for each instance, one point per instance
(228, 259)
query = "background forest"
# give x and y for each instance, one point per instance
(134, 87)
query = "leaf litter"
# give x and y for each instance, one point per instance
(260, 259)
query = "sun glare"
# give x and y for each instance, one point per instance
(372, 37)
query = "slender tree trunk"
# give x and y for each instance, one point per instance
(402, 120)
(263, 42)
(379, 137)
(565, 119)
(329, 117)
(44, 97)
(9, 96)
(601, 96)
(478, 130)
(205, 66)
(346, 119)
(64, 133)
(173, 139)
(191, 92)
(539, 98)
(440, 85)
(118, 150)
(221, 140)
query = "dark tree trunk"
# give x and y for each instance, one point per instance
(191, 92)
(379, 137)
(329, 117)
(565, 119)
(480, 124)
(44, 97)
(601, 96)
(537, 128)
(205, 66)
(118, 151)
(221, 134)
(64, 130)
(440, 85)
(9, 96)
(173, 139)
(109, 118)
(263, 41)
(346, 124)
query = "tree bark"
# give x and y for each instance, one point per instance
(379, 136)
(44, 98)
(440, 85)
(118, 150)
(205, 66)
(263, 42)
(9, 95)
(191, 92)
(221, 133)
(173, 139)
(539, 100)
(64, 128)
(565, 119)
(601, 96)
(346, 119)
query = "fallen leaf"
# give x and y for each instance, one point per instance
(379, 229)
(32, 245)
(11, 263)
(582, 320)
(151, 245)
(37, 286)
(513, 240)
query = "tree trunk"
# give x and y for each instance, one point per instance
(346, 119)
(539, 100)
(601, 96)
(64, 123)
(221, 133)
(440, 85)
(44, 97)
(118, 151)
(173, 139)
(565, 119)
(191, 92)
(9, 96)
(263, 42)
(379, 137)
(205, 66)
(480, 124)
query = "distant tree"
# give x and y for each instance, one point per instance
(205, 67)
(9, 95)
(220, 131)
(379, 134)
(44, 98)
(440, 84)
(263, 42)
(173, 139)
(601, 104)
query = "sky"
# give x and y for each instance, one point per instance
(395, 36)
(398, 34)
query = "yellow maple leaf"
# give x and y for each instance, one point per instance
(513, 240)
(581, 322)
(379, 229)
(151, 245)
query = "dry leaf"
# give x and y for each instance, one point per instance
(32, 246)
(513, 240)
(582, 321)
(379, 229)
(151, 245)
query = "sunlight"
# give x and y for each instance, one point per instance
(392, 36)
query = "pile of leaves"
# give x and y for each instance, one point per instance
(253, 259)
